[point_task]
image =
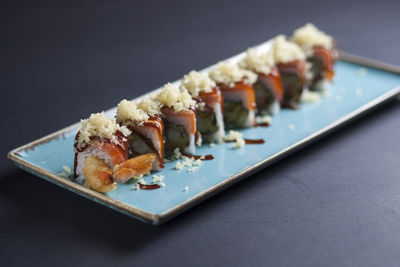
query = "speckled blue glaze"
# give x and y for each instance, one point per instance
(352, 89)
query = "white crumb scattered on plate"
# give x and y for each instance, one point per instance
(191, 163)
(188, 162)
(310, 97)
(358, 91)
(326, 93)
(233, 135)
(263, 119)
(136, 187)
(67, 169)
(237, 137)
(192, 169)
(66, 173)
(158, 178)
(362, 72)
(291, 127)
(197, 162)
(239, 143)
(179, 165)
(186, 189)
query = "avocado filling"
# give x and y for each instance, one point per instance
(175, 136)
(235, 115)
(293, 87)
(264, 97)
(206, 122)
(139, 145)
(316, 72)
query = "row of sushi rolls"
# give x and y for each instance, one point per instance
(169, 123)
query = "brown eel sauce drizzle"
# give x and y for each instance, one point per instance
(261, 124)
(254, 141)
(149, 186)
(249, 141)
(205, 157)
(149, 143)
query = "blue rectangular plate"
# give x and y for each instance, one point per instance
(360, 84)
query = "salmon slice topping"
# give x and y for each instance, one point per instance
(244, 91)
(297, 66)
(274, 81)
(189, 116)
(115, 151)
(210, 98)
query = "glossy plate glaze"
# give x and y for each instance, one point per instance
(359, 85)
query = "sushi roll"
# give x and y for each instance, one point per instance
(321, 54)
(293, 68)
(268, 87)
(238, 94)
(179, 117)
(143, 119)
(101, 154)
(204, 91)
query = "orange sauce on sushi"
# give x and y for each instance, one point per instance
(299, 67)
(296, 66)
(189, 114)
(248, 90)
(274, 79)
(327, 59)
(210, 98)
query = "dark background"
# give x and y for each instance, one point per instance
(334, 203)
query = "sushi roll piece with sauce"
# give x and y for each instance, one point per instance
(293, 68)
(204, 91)
(179, 117)
(101, 155)
(238, 94)
(144, 121)
(321, 54)
(268, 87)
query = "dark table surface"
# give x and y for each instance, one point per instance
(334, 203)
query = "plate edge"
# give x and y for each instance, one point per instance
(348, 57)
